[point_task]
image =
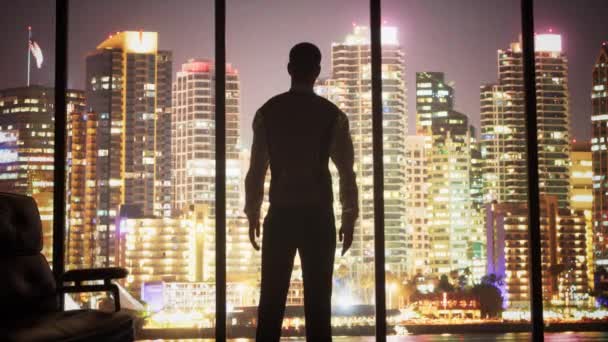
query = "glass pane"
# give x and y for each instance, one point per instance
(260, 35)
(27, 108)
(138, 196)
(455, 166)
(572, 68)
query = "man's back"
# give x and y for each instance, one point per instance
(299, 127)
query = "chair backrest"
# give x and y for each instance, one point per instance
(27, 286)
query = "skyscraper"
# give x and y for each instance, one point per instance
(564, 267)
(417, 205)
(193, 137)
(599, 141)
(126, 88)
(503, 124)
(581, 195)
(455, 222)
(193, 155)
(27, 130)
(349, 87)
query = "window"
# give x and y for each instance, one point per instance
(455, 220)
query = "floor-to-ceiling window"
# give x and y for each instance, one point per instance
(140, 157)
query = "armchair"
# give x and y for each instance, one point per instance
(29, 296)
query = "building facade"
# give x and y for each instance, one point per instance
(581, 195)
(599, 141)
(417, 206)
(27, 130)
(349, 87)
(455, 225)
(126, 87)
(563, 250)
(193, 137)
(503, 124)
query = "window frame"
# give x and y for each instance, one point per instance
(59, 201)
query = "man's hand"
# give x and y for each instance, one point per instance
(254, 230)
(347, 230)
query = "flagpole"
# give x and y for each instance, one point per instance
(29, 39)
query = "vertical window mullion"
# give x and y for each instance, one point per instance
(61, 55)
(220, 170)
(376, 68)
(534, 235)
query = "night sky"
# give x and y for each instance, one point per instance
(458, 37)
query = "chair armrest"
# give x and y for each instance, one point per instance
(105, 274)
(94, 274)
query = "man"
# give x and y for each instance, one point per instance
(296, 133)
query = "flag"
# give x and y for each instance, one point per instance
(36, 52)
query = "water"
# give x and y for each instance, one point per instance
(550, 337)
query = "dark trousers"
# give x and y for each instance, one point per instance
(311, 232)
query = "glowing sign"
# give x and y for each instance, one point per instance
(548, 42)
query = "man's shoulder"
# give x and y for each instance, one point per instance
(275, 100)
(286, 98)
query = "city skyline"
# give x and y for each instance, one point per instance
(470, 43)
(140, 189)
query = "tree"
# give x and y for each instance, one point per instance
(490, 300)
(489, 295)
(444, 284)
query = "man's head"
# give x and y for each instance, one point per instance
(304, 63)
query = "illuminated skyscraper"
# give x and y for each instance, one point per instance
(599, 141)
(349, 87)
(127, 82)
(27, 131)
(434, 97)
(193, 144)
(581, 195)
(564, 266)
(417, 205)
(503, 124)
(455, 222)
(193, 137)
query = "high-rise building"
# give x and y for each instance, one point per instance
(27, 130)
(154, 249)
(599, 141)
(127, 82)
(581, 195)
(193, 144)
(434, 97)
(455, 225)
(349, 87)
(503, 136)
(564, 266)
(193, 137)
(417, 206)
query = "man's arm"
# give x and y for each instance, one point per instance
(343, 155)
(254, 182)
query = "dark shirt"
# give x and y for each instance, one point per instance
(296, 133)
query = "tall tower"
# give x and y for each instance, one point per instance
(193, 137)
(27, 130)
(503, 124)
(127, 82)
(599, 119)
(193, 154)
(417, 203)
(581, 196)
(454, 225)
(349, 87)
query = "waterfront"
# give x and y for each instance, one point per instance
(551, 337)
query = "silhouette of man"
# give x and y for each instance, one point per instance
(296, 133)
